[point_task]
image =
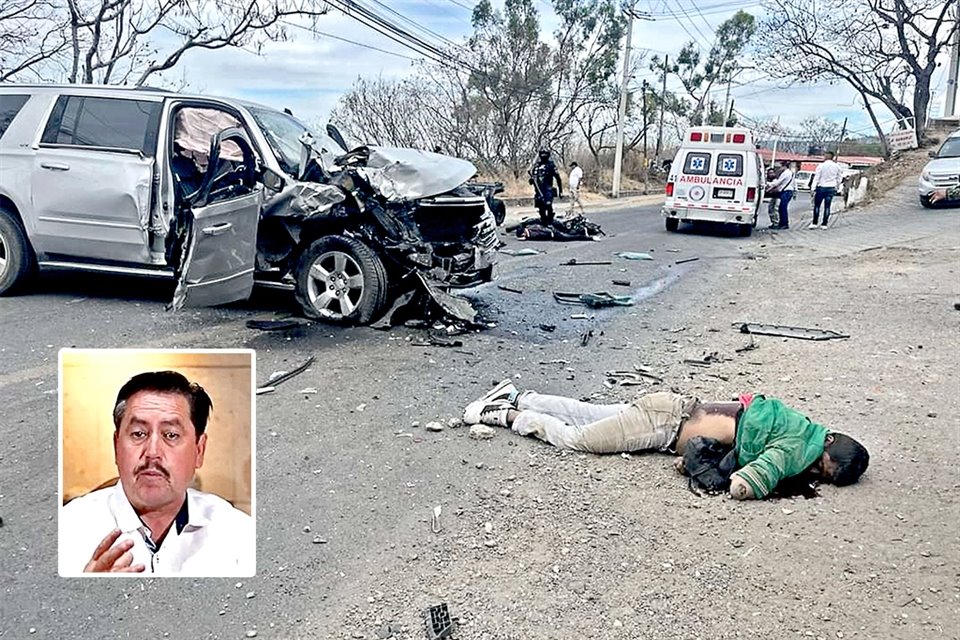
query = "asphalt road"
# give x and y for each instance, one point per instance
(339, 470)
(349, 461)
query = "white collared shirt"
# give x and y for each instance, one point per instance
(576, 175)
(828, 174)
(217, 539)
(786, 181)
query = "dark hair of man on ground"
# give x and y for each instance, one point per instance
(166, 382)
(851, 458)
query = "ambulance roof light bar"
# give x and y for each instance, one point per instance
(718, 135)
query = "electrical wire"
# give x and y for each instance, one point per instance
(417, 25)
(387, 28)
(683, 26)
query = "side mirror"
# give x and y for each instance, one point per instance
(334, 133)
(272, 180)
(932, 154)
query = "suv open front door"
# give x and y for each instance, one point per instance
(220, 243)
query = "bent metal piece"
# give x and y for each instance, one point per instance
(801, 333)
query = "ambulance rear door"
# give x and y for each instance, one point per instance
(727, 190)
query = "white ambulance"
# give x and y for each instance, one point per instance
(716, 176)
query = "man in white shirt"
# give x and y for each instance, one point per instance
(150, 522)
(576, 177)
(786, 185)
(826, 180)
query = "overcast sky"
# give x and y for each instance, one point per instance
(308, 73)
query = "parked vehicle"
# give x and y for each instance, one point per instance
(943, 172)
(716, 176)
(803, 179)
(218, 193)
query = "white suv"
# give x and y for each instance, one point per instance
(216, 193)
(943, 172)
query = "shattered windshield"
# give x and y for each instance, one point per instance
(283, 132)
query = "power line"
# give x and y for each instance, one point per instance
(709, 26)
(417, 25)
(394, 32)
(461, 5)
(325, 34)
(683, 26)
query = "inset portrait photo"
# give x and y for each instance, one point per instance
(157, 463)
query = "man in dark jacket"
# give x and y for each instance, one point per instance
(542, 175)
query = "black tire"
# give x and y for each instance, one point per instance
(355, 275)
(16, 256)
(925, 202)
(672, 224)
(745, 230)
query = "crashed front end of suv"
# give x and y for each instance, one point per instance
(355, 230)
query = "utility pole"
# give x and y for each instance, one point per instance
(843, 132)
(729, 121)
(727, 107)
(776, 140)
(951, 106)
(663, 101)
(646, 163)
(622, 113)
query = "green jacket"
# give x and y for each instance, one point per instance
(775, 442)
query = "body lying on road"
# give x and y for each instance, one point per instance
(770, 441)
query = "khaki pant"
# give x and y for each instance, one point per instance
(649, 423)
(575, 199)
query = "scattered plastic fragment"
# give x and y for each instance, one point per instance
(633, 255)
(783, 331)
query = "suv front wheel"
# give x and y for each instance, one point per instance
(340, 279)
(16, 258)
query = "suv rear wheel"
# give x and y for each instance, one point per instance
(16, 258)
(672, 224)
(340, 279)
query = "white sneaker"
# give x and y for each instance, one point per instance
(505, 390)
(813, 225)
(493, 414)
(824, 226)
(503, 395)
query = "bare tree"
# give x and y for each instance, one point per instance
(31, 36)
(820, 132)
(125, 41)
(886, 50)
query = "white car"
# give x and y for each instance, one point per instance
(943, 172)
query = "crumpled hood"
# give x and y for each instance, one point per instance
(409, 174)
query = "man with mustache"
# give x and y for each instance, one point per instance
(150, 521)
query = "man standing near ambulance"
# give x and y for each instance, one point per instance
(826, 179)
(786, 185)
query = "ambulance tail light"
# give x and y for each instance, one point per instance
(739, 138)
(696, 136)
(669, 189)
(751, 194)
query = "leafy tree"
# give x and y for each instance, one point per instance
(699, 73)
(519, 92)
